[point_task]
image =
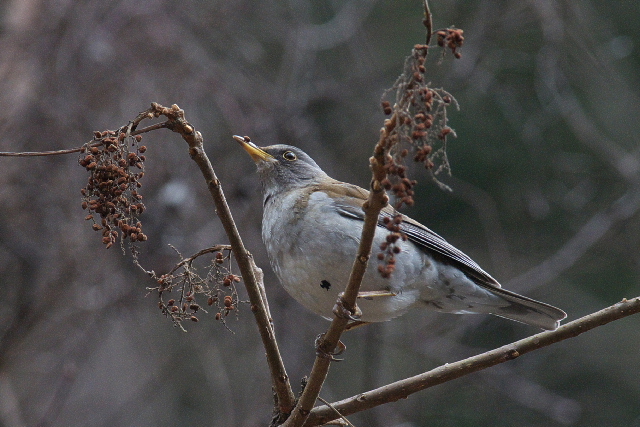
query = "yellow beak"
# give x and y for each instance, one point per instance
(256, 153)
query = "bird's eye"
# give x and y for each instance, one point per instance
(289, 155)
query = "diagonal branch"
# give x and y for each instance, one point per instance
(378, 199)
(177, 123)
(450, 371)
(330, 340)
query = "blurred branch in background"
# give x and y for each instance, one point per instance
(574, 249)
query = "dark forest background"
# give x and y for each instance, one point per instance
(546, 174)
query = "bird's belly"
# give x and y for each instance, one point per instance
(314, 273)
(318, 287)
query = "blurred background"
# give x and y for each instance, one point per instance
(546, 197)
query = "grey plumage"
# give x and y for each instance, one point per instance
(311, 228)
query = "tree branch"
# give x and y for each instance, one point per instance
(450, 371)
(40, 153)
(177, 123)
(329, 341)
(427, 21)
(378, 199)
(251, 274)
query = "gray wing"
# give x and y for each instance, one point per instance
(425, 238)
(519, 308)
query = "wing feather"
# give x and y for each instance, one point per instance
(349, 204)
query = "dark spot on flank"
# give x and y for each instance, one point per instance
(325, 285)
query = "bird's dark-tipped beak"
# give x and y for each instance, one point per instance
(256, 153)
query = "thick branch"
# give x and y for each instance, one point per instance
(450, 371)
(177, 123)
(372, 207)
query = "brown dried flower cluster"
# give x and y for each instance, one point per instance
(115, 162)
(389, 247)
(402, 187)
(417, 126)
(193, 292)
(451, 38)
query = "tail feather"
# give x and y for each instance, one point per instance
(527, 310)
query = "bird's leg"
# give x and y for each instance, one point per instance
(354, 314)
(368, 295)
(342, 310)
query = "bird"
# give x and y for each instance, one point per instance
(311, 227)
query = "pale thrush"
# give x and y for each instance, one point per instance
(311, 227)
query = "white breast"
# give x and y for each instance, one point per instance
(309, 250)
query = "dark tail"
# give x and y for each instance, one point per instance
(526, 310)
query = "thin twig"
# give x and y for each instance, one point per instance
(189, 260)
(428, 23)
(40, 153)
(450, 371)
(342, 417)
(79, 149)
(149, 128)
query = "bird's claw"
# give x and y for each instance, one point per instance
(342, 310)
(321, 352)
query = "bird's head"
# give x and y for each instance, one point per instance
(283, 167)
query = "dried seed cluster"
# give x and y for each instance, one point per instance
(418, 126)
(390, 246)
(115, 163)
(193, 292)
(402, 187)
(451, 38)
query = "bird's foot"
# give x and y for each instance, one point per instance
(342, 309)
(327, 354)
